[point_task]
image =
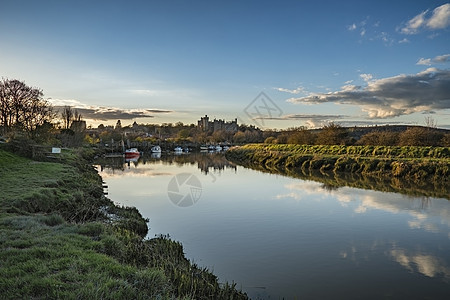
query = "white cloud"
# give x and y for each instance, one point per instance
(413, 25)
(403, 41)
(351, 27)
(350, 88)
(393, 96)
(424, 61)
(441, 59)
(298, 90)
(366, 77)
(439, 19)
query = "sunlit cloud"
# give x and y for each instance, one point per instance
(439, 19)
(298, 90)
(425, 91)
(103, 113)
(441, 59)
(366, 77)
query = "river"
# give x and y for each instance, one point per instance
(278, 236)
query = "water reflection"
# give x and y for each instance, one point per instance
(206, 162)
(424, 211)
(333, 181)
(425, 264)
(314, 237)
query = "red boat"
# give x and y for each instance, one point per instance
(132, 153)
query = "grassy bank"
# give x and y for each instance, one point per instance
(60, 238)
(411, 162)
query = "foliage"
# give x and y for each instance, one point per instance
(332, 134)
(22, 107)
(420, 136)
(379, 138)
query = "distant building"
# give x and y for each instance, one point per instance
(205, 124)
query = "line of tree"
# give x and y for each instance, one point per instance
(334, 134)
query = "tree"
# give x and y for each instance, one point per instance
(420, 136)
(67, 116)
(118, 125)
(332, 134)
(22, 107)
(379, 138)
(300, 136)
(270, 140)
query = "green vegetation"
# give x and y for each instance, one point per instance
(60, 238)
(412, 162)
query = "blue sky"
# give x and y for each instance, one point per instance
(351, 62)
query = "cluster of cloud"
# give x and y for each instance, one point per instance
(441, 59)
(371, 31)
(361, 27)
(296, 91)
(425, 91)
(101, 113)
(439, 19)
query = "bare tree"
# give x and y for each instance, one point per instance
(430, 122)
(67, 116)
(22, 107)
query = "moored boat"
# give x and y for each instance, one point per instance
(132, 152)
(156, 149)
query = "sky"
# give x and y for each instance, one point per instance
(272, 64)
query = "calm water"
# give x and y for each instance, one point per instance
(277, 236)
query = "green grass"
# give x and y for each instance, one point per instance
(57, 241)
(60, 262)
(365, 151)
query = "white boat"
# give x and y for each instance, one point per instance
(156, 149)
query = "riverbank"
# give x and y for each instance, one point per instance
(62, 238)
(411, 162)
